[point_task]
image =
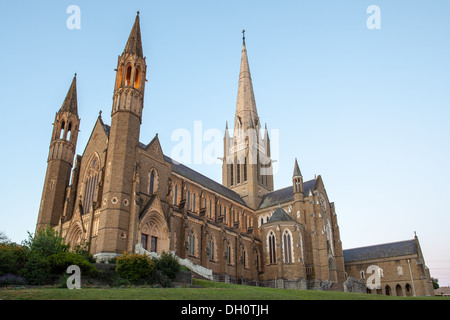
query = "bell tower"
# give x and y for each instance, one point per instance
(60, 160)
(247, 166)
(126, 118)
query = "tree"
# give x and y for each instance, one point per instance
(3, 238)
(435, 282)
(46, 242)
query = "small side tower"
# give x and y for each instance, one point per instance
(297, 181)
(60, 160)
(126, 118)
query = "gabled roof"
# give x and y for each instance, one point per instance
(386, 250)
(280, 215)
(284, 195)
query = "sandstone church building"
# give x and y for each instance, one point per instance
(122, 194)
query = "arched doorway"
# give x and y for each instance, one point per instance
(408, 290)
(399, 291)
(387, 291)
(154, 233)
(75, 236)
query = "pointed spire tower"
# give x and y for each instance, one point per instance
(247, 165)
(126, 118)
(60, 159)
(297, 179)
(246, 112)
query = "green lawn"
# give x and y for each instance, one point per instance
(208, 291)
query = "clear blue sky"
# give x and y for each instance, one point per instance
(367, 109)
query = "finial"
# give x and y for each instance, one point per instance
(243, 36)
(138, 13)
(100, 114)
(75, 74)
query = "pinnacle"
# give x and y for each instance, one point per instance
(134, 43)
(70, 103)
(297, 172)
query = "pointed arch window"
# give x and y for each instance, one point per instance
(287, 246)
(229, 251)
(191, 243)
(136, 79)
(238, 172)
(271, 241)
(244, 258)
(90, 184)
(189, 200)
(175, 195)
(210, 208)
(231, 174)
(211, 249)
(245, 169)
(61, 130)
(69, 131)
(152, 182)
(128, 77)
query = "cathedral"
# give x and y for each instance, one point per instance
(122, 195)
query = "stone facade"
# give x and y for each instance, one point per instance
(123, 195)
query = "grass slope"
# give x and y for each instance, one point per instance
(203, 290)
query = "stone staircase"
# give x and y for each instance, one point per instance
(337, 286)
(198, 271)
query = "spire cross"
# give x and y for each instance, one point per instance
(243, 35)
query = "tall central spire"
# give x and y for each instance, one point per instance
(134, 43)
(246, 165)
(246, 113)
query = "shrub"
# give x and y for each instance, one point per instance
(157, 277)
(61, 261)
(168, 265)
(136, 268)
(12, 258)
(36, 270)
(82, 250)
(11, 279)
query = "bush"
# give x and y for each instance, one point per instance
(157, 277)
(46, 242)
(12, 258)
(82, 250)
(11, 279)
(36, 270)
(61, 261)
(135, 268)
(168, 265)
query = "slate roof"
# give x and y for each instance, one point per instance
(280, 215)
(204, 181)
(386, 250)
(284, 195)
